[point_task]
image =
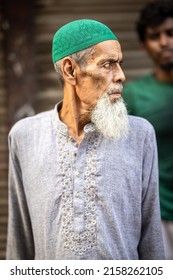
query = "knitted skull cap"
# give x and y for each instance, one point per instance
(79, 35)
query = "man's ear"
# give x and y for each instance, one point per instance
(68, 69)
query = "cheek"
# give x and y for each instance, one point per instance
(100, 81)
(94, 84)
(152, 48)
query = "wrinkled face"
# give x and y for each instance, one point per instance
(102, 74)
(159, 44)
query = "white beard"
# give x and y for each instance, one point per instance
(110, 119)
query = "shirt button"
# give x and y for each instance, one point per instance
(77, 173)
(77, 194)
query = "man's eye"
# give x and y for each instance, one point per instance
(153, 36)
(169, 33)
(107, 65)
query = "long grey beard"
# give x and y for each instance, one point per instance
(110, 119)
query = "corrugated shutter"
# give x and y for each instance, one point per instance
(3, 145)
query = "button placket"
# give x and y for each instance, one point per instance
(84, 238)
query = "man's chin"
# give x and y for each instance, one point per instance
(111, 120)
(167, 67)
(114, 97)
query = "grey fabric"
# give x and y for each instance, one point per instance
(96, 201)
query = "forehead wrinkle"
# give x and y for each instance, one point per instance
(105, 50)
(115, 56)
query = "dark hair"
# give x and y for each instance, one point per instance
(152, 15)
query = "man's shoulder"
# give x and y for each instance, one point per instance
(140, 125)
(35, 122)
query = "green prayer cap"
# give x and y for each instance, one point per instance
(79, 35)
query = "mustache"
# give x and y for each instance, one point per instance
(115, 88)
(165, 48)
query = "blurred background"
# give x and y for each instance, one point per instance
(28, 82)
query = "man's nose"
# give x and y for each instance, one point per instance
(163, 39)
(119, 74)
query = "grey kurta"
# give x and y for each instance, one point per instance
(96, 201)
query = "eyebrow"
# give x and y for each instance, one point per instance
(112, 60)
(156, 31)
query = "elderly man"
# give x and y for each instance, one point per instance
(83, 177)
